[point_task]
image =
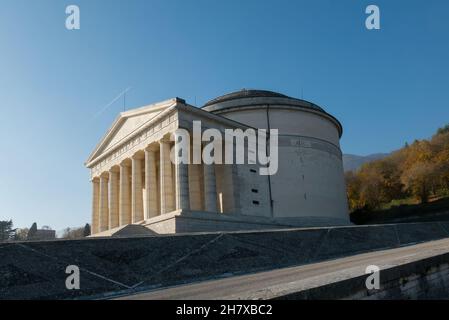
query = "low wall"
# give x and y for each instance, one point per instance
(31, 270)
(418, 280)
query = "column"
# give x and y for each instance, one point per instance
(166, 182)
(150, 184)
(95, 205)
(195, 187)
(104, 203)
(182, 186)
(136, 190)
(113, 199)
(124, 202)
(210, 188)
(229, 192)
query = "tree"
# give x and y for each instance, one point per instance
(6, 230)
(73, 233)
(374, 183)
(419, 180)
(21, 234)
(443, 130)
(353, 185)
(420, 169)
(86, 231)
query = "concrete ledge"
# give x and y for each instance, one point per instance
(422, 275)
(183, 221)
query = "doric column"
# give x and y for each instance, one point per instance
(182, 186)
(124, 195)
(166, 178)
(95, 205)
(229, 177)
(229, 188)
(210, 188)
(181, 161)
(150, 184)
(136, 189)
(113, 199)
(104, 203)
(195, 187)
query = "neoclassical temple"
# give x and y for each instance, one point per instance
(136, 188)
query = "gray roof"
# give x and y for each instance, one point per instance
(245, 93)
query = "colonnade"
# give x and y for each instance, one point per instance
(147, 185)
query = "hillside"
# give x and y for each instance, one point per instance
(352, 162)
(416, 173)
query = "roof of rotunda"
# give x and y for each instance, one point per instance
(249, 93)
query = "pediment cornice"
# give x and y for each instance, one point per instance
(107, 143)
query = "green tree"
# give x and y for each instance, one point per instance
(86, 231)
(6, 230)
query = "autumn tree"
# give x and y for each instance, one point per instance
(419, 180)
(419, 170)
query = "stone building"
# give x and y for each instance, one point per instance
(136, 186)
(41, 234)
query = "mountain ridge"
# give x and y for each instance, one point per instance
(352, 162)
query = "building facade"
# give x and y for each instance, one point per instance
(137, 188)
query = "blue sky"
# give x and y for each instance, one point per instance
(386, 87)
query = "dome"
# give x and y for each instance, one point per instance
(251, 94)
(254, 98)
(244, 93)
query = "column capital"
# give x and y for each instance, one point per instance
(104, 175)
(151, 148)
(125, 163)
(164, 140)
(114, 169)
(139, 155)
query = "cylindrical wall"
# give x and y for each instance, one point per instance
(309, 184)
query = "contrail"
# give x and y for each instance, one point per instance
(96, 115)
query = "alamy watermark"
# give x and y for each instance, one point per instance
(73, 280)
(373, 280)
(372, 22)
(238, 146)
(73, 21)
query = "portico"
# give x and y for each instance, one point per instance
(133, 177)
(148, 185)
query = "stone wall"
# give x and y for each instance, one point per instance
(423, 279)
(109, 266)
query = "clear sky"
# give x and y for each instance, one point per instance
(386, 86)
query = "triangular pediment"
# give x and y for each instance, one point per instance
(126, 124)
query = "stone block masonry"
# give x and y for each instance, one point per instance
(112, 266)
